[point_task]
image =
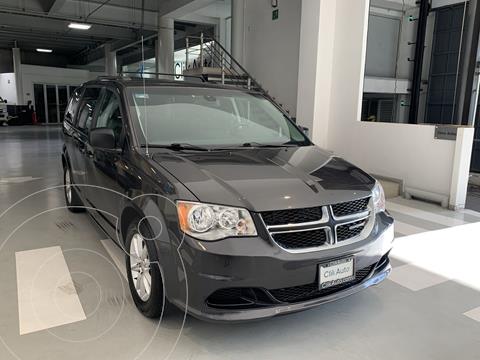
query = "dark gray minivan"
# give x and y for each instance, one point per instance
(222, 205)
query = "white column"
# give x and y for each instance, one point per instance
(110, 61)
(317, 37)
(220, 31)
(17, 69)
(238, 30)
(461, 167)
(164, 48)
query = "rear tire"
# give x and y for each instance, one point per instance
(143, 272)
(74, 203)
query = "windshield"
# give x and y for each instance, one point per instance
(209, 117)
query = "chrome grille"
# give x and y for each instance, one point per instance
(310, 229)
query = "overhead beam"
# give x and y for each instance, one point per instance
(69, 14)
(126, 4)
(16, 34)
(136, 56)
(199, 19)
(59, 27)
(163, 7)
(56, 6)
(90, 55)
(51, 6)
(112, 13)
(181, 8)
(119, 16)
(400, 5)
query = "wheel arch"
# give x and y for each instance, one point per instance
(129, 214)
(65, 160)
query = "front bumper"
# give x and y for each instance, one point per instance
(255, 263)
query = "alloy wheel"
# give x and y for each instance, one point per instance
(140, 267)
(68, 186)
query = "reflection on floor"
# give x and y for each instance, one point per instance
(473, 197)
(428, 309)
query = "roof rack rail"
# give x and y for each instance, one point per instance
(107, 77)
(141, 73)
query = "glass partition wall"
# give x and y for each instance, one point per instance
(423, 65)
(413, 63)
(51, 101)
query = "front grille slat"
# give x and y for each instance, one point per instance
(311, 291)
(309, 237)
(350, 207)
(249, 298)
(295, 216)
(301, 239)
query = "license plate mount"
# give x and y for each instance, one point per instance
(336, 272)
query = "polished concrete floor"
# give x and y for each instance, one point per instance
(473, 198)
(63, 294)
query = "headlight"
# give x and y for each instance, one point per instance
(378, 196)
(214, 222)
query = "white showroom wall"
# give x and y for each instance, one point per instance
(8, 90)
(433, 168)
(272, 46)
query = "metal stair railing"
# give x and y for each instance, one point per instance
(210, 52)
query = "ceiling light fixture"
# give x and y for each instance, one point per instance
(44, 50)
(79, 26)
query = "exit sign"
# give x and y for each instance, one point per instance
(275, 14)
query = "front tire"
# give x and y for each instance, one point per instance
(74, 203)
(144, 276)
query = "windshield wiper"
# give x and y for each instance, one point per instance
(258, 145)
(180, 147)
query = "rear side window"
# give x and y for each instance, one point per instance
(73, 106)
(87, 108)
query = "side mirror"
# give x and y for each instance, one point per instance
(103, 138)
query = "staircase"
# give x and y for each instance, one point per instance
(207, 58)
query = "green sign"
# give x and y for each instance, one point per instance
(275, 14)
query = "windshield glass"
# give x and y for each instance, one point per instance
(209, 117)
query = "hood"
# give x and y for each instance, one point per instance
(267, 179)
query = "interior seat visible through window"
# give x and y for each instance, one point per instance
(109, 115)
(89, 102)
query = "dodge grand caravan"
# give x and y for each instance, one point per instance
(222, 205)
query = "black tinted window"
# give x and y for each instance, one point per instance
(109, 115)
(89, 102)
(73, 105)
